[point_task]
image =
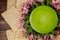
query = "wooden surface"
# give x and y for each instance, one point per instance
(3, 35)
(3, 7)
(3, 24)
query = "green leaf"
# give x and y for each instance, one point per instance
(58, 20)
(38, 3)
(32, 8)
(58, 12)
(35, 33)
(29, 31)
(42, 3)
(48, 2)
(26, 18)
(57, 28)
(54, 33)
(48, 35)
(45, 2)
(59, 16)
(27, 25)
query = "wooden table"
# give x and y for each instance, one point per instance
(3, 24)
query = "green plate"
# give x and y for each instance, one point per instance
(43, 19)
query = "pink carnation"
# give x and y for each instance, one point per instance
(52, 37)
(31, 37)
(45, 37)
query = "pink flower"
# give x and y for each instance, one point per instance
(39, 0)
(25, 11)
(58, 31)
(58, 7)
(23, 31)
(25, 8)
(54, 1)
(31, 37)
(22, 16)
(29, 2)
(25, 5)
(52, 37)
(21, 23)
(21, 26)
(55, 4)
(45, 37)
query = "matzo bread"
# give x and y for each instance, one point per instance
(19, 3)
(10, 3)
(10, 34)
(12, 16)
(15, 35)
(18, 35)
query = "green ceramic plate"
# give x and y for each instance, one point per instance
(43, 19)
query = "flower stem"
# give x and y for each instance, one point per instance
(47, 2)
(42, 3)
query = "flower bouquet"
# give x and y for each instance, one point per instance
(40, 19)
